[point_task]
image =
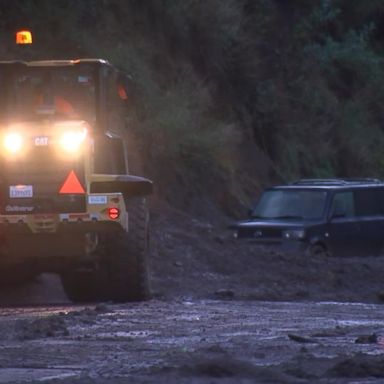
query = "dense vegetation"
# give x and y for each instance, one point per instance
(232, 93)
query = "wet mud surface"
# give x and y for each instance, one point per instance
(193, 341)
(222, 312)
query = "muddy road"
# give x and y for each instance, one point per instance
(222, 312)
(198, 341)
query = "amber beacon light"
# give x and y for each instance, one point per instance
(23, 37)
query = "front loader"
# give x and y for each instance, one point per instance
(68, 204)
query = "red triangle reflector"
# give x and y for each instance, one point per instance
(72, 185)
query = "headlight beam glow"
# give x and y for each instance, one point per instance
(13, 142)
(71, 141)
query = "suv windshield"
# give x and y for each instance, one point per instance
(290, 204)
(35, 92)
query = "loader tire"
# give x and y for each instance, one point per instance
(128, 256)
(121, 273)
(84, 285)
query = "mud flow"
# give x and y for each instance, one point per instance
(222, 312)
(199, 341)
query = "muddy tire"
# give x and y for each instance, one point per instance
(83, 285)
(16, 275)
(121, 271)
(128, 256)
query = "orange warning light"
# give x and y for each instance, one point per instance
(72, 185)
(24, 37)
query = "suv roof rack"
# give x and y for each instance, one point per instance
(336, 181)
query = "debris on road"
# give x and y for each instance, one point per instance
(301, 339)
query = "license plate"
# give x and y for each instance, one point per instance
(20, 191)
(102, 200)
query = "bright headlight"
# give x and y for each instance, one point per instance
(294, 234)
(71, 141)
(13, 142)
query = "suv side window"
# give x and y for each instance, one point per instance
(343, 205)
(380, 198)
(368, 202)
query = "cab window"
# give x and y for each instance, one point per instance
(116, 102)
(65, 92)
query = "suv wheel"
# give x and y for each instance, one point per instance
(317, 250)
(121, 273)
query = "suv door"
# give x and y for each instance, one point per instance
(369, 211)
(344, 229)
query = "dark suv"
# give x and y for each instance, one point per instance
(342, 217)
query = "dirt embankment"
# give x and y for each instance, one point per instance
(196, 257)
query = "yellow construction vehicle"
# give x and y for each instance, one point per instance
(67, 201)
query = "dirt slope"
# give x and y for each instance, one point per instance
(197, 257)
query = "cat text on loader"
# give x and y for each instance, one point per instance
(68, 204)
